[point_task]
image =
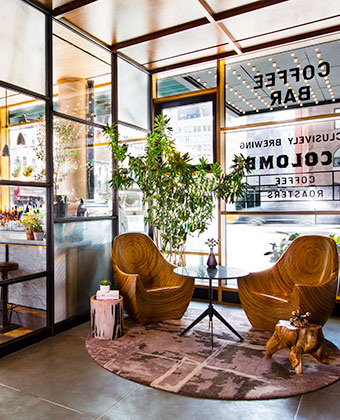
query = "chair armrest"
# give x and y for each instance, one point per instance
(126, 283)
(259, 281)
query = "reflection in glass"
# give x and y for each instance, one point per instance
(82, 169)
(22, 130)
(304, 77)
(292, 167)
(82, 80)
(186, 82)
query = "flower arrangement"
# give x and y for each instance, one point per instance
(212, 242)
(33, 221)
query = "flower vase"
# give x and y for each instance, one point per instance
(29, 235)
(211, 262)
(38, 236)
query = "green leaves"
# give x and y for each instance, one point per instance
(180, 197)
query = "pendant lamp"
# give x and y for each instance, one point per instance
(5, 150)
(21, 138)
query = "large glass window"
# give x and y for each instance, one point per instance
(193, 124)
(82, 77)
(288, 82)
(292, 167)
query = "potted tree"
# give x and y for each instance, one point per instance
(180, 197)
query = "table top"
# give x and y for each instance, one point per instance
(221, 272)
(23, 242)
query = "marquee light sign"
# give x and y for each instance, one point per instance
(305, 77)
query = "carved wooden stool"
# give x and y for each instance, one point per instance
(299, 339)
(106, 318)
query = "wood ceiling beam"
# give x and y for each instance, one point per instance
(196, 23)
(293, 38)
(72, 5)
(160, 33)
(251, 49)
(209, 14)
(246, 8)
(193, 62)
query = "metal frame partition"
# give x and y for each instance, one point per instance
(52, 327)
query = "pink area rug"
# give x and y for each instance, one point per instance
(155, 355)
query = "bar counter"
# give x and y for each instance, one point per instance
(31, 257)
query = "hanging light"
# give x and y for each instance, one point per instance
(21, 138)
(5, 150)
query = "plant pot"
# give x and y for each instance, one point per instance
(29, 235)
(104, 289)
(38, 236)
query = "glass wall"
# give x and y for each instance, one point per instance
(82, 170)
(23, 219)
(134, 125)
(83, 252)
(17, 56)
(23, 191)
(281, 114)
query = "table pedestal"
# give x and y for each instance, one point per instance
(211, 311)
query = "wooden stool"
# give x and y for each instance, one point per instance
(5, 267)
(299, 339)
(106, 318)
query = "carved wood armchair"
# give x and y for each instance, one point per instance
(150, 288)
(305, 278)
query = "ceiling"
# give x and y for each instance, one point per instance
(167, 34)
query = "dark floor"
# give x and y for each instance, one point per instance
(56, 379)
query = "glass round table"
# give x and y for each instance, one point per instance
(206, 273)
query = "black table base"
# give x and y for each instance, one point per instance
(211, 311)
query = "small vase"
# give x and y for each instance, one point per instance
(38, 236)
(104, 289)
(29, 235)
(211, 262)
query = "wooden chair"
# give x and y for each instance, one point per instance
(305, 278)
(150, 288)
